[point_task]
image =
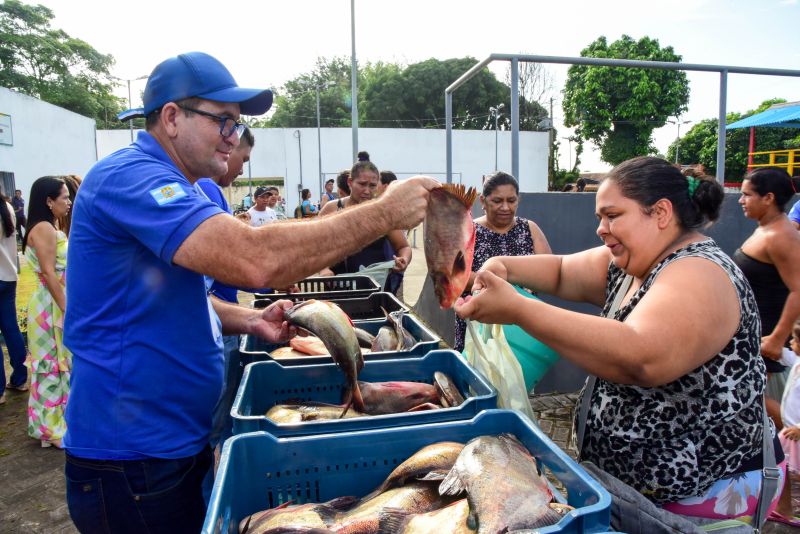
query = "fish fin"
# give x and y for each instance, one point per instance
(452, 484)
(346, 408)
(466, 196)
(425, 406)
(343, 503)
(460, 263)
(391, 520)
(549, 517)
(437, 474)
(244, 528)
(358, 400)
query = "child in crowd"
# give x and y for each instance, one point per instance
(790, 435)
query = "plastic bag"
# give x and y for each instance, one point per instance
(534, 357)
(378, 271)
(487, 350)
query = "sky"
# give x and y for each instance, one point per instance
(265, 43)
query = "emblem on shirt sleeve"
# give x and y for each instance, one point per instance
(168, 193)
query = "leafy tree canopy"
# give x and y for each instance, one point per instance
(48, 64)
(618, 108)
(699, 145)
(393, 96)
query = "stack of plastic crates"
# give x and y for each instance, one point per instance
(258, 471)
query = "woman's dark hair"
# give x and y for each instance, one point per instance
(306, 194)
(647, 180)
(73, 184)
(363, 164)
(341, 181)
(772, 180)
(42, 189)
(387, 177)
(493, 181)
(5, 216)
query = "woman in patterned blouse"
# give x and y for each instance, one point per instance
(677, 410)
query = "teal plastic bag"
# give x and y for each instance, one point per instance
(533, 356)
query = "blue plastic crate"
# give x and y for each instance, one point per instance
(329, 287)
(255, 349)
(266, 384)
(368, 308)
(259, 471)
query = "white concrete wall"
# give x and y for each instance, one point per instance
(47, 140)
(278, 151)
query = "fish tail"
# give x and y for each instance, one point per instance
(347, 407)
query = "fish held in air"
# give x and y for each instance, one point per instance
(505, 489)
(393, 397)
(450, 240)
(328, 322)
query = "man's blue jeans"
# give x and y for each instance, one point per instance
(153, 495)
(13, 337)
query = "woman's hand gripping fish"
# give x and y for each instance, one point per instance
(450, 240)
(329, 323)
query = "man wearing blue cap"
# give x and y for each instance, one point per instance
(146, 343)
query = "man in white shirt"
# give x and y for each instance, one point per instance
(261, 213)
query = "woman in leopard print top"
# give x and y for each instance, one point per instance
(677, 405)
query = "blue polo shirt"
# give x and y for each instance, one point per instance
(214, 193)
(147, 353)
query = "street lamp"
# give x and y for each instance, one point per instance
(678, 139)
(130, 104)
(494, 111)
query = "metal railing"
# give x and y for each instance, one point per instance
(792, 159)
(723, 71)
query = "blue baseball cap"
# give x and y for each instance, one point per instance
(199, 75)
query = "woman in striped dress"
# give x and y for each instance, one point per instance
(49, 362)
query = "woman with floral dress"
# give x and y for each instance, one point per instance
(49, 362)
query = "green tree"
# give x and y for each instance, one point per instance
(48, 64)
(391, 96)
(699, 145)
(618, 108)
(296, 101)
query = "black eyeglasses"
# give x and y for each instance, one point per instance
(227, 125)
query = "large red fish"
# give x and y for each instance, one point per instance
(450, 240)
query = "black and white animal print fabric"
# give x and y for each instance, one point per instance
(673, 441)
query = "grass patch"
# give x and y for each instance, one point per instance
(25, 286)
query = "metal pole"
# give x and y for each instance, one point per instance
(678, 141)
(130, 121)
(448, 136)
(354, 79)
(496, 116)
(515, 118)
(319, 149)
(723, 97)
